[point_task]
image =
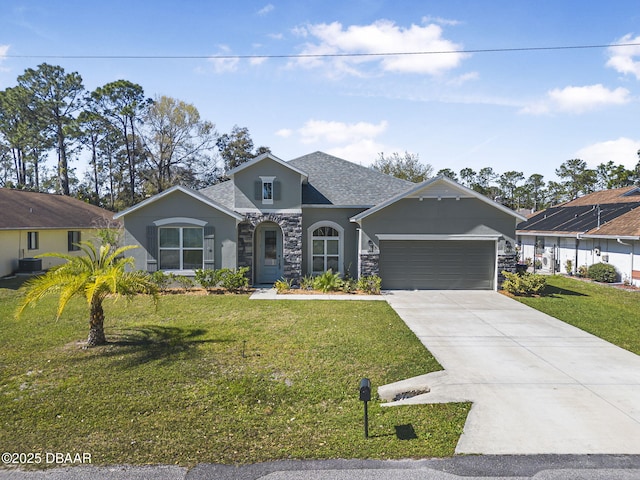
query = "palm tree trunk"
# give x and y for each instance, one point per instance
(96, 325)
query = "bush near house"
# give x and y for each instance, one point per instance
(602, 272)
(524, 283)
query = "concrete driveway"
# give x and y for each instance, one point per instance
(538, 385)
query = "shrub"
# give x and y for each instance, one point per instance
(186, 283)
(524, 284)
(328, 282)
(349, 285)
(209, 278)
(306, 283)
(283, 285)
(582, 271)
(370, 284)
(568, 266)
(234, 280)
(602, 272)
(161, 279)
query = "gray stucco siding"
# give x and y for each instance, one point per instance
(439, 217)
(181, 208)
(289, 191)
(338, 216)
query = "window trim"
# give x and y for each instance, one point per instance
(33, 240)
(340, 237)
(266, 181)
(181, 248)
(71, 234)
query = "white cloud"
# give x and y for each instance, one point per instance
(622, 151)
(578, 99)
(266, 10)
(441, 21)
(382, 36)
(224, 65)
(626, 59)
(356, 142)
(315, 131)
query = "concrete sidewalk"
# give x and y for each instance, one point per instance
(538, 385)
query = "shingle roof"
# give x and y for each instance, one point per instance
(20, 209)
(221, 193)
(334, 181)
(616, 195)
(626, 225)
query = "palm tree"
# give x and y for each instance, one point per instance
(96, 275)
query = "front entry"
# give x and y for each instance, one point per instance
(269, 264)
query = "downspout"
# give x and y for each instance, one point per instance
(619, 240)
(358, 252)
(575, 268)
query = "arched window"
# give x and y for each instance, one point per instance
(326, 248)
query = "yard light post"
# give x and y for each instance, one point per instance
(365, 396)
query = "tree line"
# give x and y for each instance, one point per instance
(137, 146)
(511, 188)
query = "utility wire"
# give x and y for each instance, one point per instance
(325, 55)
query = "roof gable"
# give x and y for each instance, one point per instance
(192, 193)
(437, 187)
(23, 209)
(261, 158)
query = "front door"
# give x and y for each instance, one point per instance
(269, 266)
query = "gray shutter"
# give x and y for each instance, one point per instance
(152, 248)
(209, 248)
(276, 190)
(258, 189)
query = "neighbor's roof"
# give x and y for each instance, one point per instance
(20, 209)
(616, 195)
(338, 182)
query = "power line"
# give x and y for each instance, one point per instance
(323, 55)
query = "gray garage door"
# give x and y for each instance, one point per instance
(437, 265)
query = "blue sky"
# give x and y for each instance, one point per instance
(510, 110)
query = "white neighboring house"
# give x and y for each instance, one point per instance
(600, 227)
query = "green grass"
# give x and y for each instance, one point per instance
(214, 379)
(609, 313)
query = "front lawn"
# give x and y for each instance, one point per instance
(214, 379)
(609, 313)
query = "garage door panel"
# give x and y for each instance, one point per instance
(461, 265)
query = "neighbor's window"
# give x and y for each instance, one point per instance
(73, 238)
(33, 241)
(326, 250)
(181, 248)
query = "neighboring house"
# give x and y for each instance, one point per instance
(318, 212)
(33, 223)
(599, 227)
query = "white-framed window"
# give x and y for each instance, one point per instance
(267, 190)
(180, 248)
(33, 240)
(326, 247)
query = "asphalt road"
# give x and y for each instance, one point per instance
(486, 467)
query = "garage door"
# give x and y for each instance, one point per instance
(437, 265)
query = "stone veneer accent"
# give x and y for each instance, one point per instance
(507, 263)
(369, 264)
(291, 225)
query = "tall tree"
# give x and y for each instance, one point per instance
(408, 167)
(176, 140)
(577, 177)
(123, 103)
(235, 147)
(447, 172)
(535, 187)
(55, 97)
(468, 177)
(610, 175)
(508, 183)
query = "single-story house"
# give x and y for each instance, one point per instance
(33, 223)
(287, 219)
(599, 227)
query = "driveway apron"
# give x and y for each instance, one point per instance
(538, 385)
